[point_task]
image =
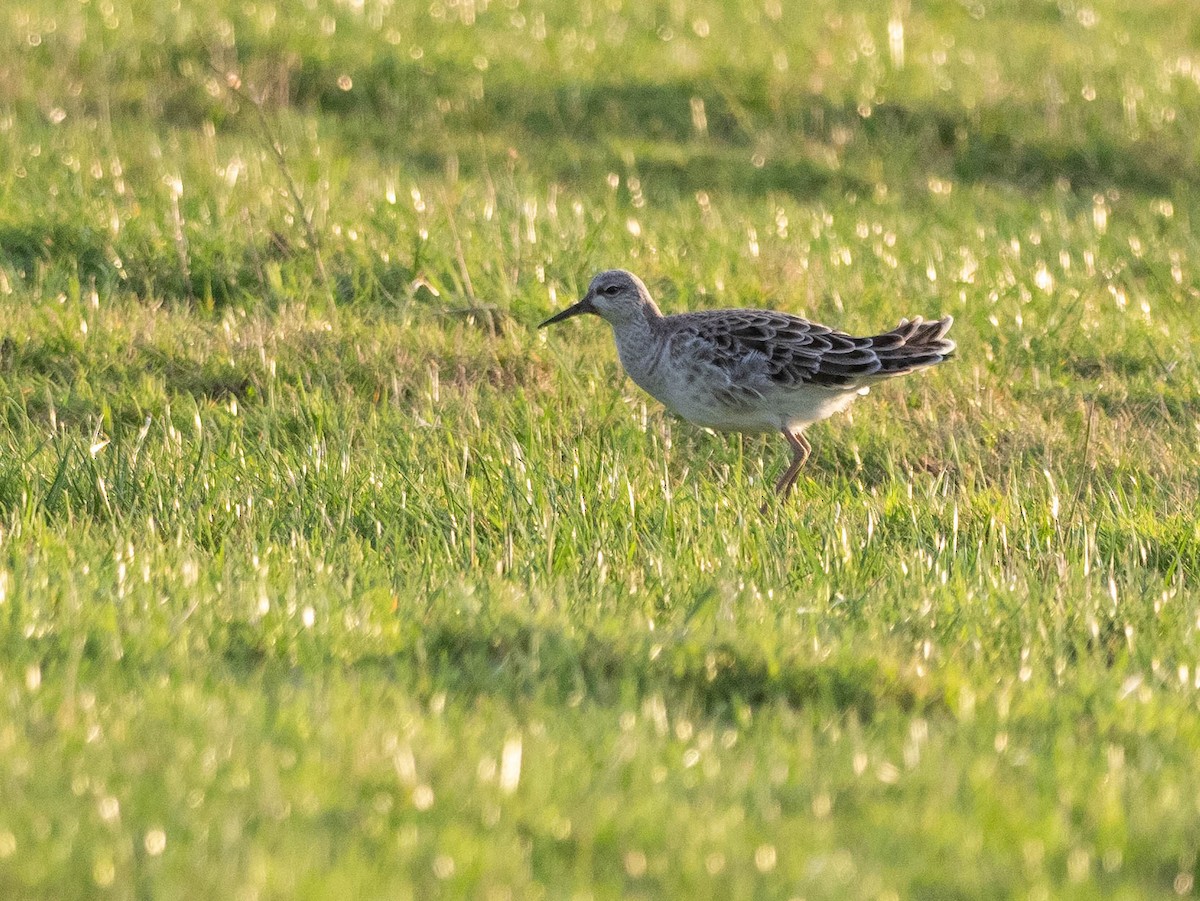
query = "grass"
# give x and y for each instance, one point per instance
(324, 574)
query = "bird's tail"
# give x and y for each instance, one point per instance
(913, 344)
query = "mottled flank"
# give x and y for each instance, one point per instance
(753, 370)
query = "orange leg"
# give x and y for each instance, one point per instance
(800, 451)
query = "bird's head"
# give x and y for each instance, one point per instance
(614, 295)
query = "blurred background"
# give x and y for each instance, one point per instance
(324, 574)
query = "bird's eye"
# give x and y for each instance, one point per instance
(611, 290)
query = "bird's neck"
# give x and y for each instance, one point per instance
(637, 340)
(640, 325)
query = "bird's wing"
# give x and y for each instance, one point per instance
(762, 349)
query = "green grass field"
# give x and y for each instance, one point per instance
(324, 574)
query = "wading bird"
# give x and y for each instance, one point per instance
(752, 370)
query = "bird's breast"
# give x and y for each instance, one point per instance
(697, 391)
(642, 360)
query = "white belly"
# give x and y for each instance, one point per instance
(773, 410)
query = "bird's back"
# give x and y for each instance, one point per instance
(760, 370)
(789, 351)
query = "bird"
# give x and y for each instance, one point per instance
(749, 370)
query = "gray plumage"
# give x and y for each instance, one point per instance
(752, 370)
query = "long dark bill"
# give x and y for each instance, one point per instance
(584, 306)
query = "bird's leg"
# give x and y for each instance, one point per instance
(800, 451)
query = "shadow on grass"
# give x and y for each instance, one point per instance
(742, 111)
(82, 382)
(414, 110)
(757, 139)
(519, 661)
(981, 146)
(214, 277)
(33, 248)
(397, 100)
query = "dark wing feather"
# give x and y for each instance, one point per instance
(913, 345)
(800, 352)
(757, 346)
